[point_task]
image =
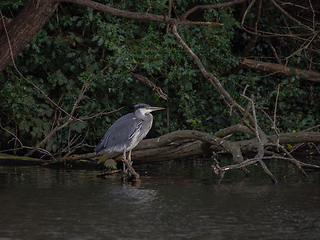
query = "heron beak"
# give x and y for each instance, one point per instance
(155, 108)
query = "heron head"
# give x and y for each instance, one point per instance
(145, 108)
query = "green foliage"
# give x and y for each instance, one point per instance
(80, 45)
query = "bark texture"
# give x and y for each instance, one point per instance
(23, 28)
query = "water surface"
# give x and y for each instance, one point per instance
(43, 203)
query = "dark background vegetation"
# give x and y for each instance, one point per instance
(80, 45)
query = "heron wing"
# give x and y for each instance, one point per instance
(120, 134)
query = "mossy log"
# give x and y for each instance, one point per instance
(6, 159)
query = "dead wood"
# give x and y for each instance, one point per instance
(7, 159)
(108, 173)
(188, 143)
(177, 150)
(280, 69)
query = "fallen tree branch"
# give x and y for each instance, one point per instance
(161, 148)
(70, 159)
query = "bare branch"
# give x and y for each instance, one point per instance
(210, 77)
(290, 17)
(22, 146)
(202, 23)
(58, 128)
(280, 69)
(254, 26)
(149, 84)
(207, 7)
(253, 160)
(275, 54)
(122, 13)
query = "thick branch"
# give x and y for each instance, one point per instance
(122, 13)
(298, 137)
(280, 69)
(210, 77)
(238, 128)
(206, 7)
(176, 151)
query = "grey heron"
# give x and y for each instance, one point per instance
(128, 131)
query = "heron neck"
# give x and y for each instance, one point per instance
(143, 116)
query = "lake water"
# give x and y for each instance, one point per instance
(174, 201)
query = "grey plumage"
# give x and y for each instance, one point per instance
(128, 131)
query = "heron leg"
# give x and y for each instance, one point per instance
(124, 167)
(129, 158)
(124, 156)
(130, 172)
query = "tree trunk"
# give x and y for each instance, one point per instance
(24, 27)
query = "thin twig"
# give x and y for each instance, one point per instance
(290, 17)
(275, 118)
(254, 117)
(58, 128)
(275, 53)
(254, 160)
(313, 16)
(102, 113)
(22, 146)
(15, 137)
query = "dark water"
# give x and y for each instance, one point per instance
(42, 203)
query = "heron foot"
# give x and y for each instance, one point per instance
(132, 174)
